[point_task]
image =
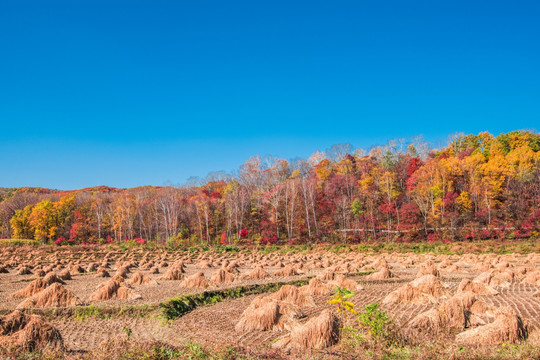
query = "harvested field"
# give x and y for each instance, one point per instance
(256, 301)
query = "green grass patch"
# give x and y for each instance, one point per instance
(227, 249)
(81, 313)
(177, 307)
(19, 242)
(365, 273)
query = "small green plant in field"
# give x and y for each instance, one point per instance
(375, 321)
(352, 336)
(127, 330)
(340, 300)
(267, 249)
(81, 313)
(197, 350)
(372, 320)
(509, 350)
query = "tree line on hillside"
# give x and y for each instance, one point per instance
(477, 187)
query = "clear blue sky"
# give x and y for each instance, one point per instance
(127, 93)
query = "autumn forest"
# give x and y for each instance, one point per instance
(477, 187)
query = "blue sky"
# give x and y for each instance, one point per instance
(128, 93)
